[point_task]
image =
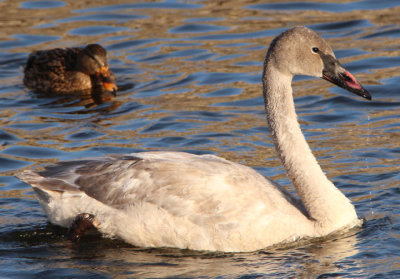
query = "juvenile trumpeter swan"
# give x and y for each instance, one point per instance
(204, 202)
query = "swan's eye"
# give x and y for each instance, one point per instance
(315, 49)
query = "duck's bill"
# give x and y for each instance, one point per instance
(347, 81)
(108, 80)
(109, 85)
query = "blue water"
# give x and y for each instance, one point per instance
(189, 78)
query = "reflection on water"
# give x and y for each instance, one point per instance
(87, 100)
(188, 74)
(306, 259)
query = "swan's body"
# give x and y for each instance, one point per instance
(175, 199)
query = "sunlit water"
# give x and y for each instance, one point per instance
(189, 77)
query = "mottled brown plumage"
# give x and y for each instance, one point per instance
(69, 70)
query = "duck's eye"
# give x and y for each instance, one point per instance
(315, 49)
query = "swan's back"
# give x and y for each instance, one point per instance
(186, 197)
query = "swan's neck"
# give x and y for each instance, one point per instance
(324, 203)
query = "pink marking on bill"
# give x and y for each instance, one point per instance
(327, 78)
(352, 82)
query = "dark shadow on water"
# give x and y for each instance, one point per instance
(95, 255)
(91, 246)
(34, 236)
(87, 101)
(372, 225)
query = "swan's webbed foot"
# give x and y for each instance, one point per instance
(82, 223)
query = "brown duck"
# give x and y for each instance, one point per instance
(69, 70)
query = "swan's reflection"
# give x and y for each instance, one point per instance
(305, 259)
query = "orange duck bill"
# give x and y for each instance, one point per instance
(109, 85)
(108, 79)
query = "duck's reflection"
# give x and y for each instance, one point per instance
(90, 100)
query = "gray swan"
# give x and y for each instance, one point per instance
(204, 202)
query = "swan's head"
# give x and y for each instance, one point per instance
(301, 51)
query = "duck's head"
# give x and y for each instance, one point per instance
(93, 62)
(301, 51)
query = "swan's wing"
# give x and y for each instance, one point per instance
(180, 183)
(106, 179)
(167, 199)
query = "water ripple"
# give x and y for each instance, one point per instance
(42, 4)
(189, 78)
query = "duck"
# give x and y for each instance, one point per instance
(69, 70)
(205, 202)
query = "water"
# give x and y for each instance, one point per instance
(189, 78)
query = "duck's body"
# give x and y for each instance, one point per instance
(175, 199)
(69, 70)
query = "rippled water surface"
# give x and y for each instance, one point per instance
(189, 77)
